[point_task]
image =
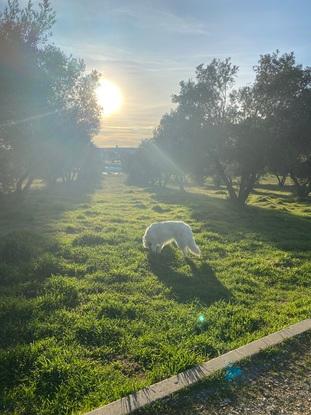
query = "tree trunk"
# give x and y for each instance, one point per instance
(28, 184)
(180, 182)
(226, 180)
(166, 179)
(246, 186)
(217, 181)
(302, 189)
(281, 180)
(19, 183)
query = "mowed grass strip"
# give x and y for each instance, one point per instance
(86, 316)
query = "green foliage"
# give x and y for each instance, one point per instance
(87, 316)
(235, 136)
(282, 95)
(48, 109)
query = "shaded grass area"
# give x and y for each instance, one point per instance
(86, 316)
(199, 282)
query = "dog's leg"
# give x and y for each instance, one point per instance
(183, 247)
(153, 248)
(192, 247)
(158, 249)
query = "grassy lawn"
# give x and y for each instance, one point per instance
(86, 316)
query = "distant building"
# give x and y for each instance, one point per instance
(112, 157)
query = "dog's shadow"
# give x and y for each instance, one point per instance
(199, 282)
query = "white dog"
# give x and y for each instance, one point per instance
(159, 234)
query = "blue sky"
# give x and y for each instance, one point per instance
(147, 47)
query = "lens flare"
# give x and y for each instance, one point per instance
(232, 372)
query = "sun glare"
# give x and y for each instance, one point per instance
(109, 97)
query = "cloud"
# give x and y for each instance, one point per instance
(146, 15)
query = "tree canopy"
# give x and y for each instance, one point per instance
(48, 109)
(236, 135)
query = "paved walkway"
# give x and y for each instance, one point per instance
(270, 384)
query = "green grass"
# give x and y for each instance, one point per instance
(86, 316)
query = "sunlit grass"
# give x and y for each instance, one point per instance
(87, 316)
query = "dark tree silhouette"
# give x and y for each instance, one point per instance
(207, 135)
(282, 92)
(48, 109)
(237, 135)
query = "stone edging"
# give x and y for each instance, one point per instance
(175, 383)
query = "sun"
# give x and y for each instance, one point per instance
(109, 97)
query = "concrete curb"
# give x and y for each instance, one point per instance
(175, 383)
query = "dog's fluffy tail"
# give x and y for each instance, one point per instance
(193, 248)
